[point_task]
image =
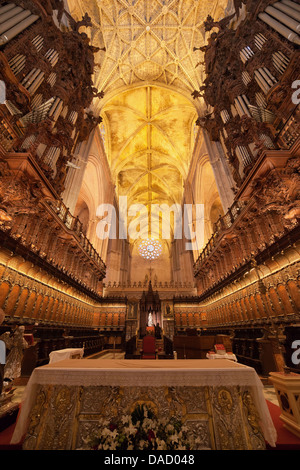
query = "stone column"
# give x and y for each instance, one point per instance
(75, 176)
(222, 173)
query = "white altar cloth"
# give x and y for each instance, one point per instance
(114, 372)
(230, 356)
(67, 353)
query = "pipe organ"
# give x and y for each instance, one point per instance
(43, 119)
(243, 274)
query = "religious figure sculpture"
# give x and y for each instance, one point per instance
(16, 344)
(150, 320)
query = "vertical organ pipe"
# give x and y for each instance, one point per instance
(56, 109)
(261, 82)
(225, 116)
(244, 103)
(259, 40)
(267, 76)
(260, 100)
(30, 77)
(246, 78)
(17, 63)
(37, 82)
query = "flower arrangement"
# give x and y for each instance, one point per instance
(142, 430)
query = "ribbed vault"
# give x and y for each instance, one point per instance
(148, 67)
(149, 140)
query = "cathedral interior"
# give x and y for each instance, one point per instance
(149, 179)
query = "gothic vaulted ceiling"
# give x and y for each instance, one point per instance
(147, 73)
(149, 154)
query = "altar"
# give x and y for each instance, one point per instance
(220, 401)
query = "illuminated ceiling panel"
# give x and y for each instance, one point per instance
(148, 41)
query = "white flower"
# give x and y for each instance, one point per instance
(125, 419)
(148, 424)
(170, 428)
(142, 444)
(130, 429)
(161, 445)
(105, 432)
(113, 434)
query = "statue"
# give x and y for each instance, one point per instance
(157, 331)
(16, 344)
(150, 320)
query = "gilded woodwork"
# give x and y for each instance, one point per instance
(223, 417)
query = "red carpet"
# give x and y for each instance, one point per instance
(5, 437)
(285, 439)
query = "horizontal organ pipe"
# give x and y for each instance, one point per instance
(7, 25)
(291, 4)
(280, 28)
(6, 8)
(288, 10)
(17, 29)
(10, 14)
(285, 19)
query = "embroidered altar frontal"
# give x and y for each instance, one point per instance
(220, 402)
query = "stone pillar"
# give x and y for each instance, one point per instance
(224, 179)
(75, 176)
